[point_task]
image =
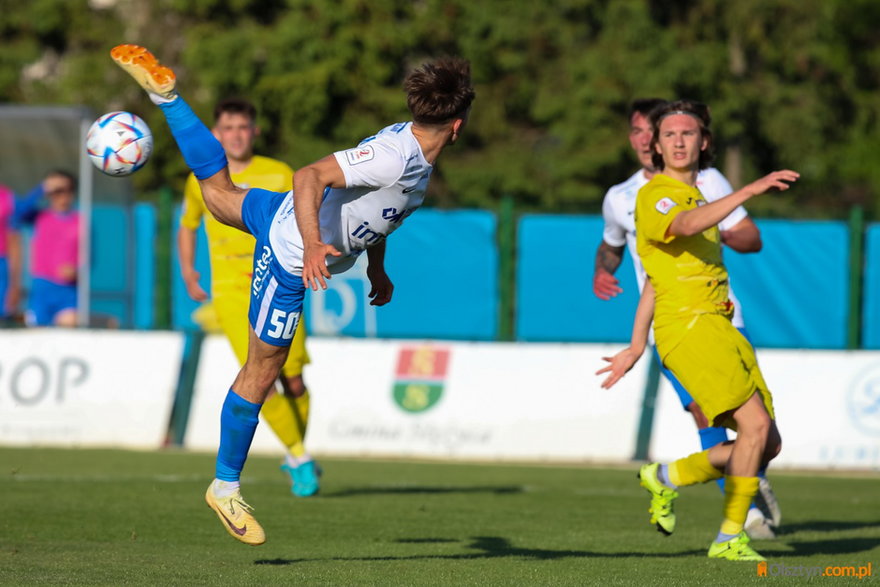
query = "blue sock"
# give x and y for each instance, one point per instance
(202, 152)
(238, 422)
(709, 437)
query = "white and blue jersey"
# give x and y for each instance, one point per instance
(386, 176)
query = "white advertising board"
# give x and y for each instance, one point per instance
(78, 388)
(441, 399)
(827, 407)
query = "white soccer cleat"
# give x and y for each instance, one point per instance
(766, 501)
(757, 526)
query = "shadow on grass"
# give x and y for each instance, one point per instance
(825, 526)
(423, 490)
(809, 548)
(490, 547)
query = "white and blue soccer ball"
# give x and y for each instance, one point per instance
(119, 143)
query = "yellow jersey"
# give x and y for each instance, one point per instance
(232, 250)
(687, 273)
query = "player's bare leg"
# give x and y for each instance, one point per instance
(764, 513)
(757, 442)
(238, 421)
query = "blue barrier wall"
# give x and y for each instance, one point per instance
(871, 292)
(444, 266)
(109, 271)
(795, 292)
(554, 283)
(145, 266)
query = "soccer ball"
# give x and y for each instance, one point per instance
(119, 143)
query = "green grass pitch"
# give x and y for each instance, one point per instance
(100, 517)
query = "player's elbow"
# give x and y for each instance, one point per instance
(683, 225)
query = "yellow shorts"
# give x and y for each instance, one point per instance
(717, 366)
(231, 308)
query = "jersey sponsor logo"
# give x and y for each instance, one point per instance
(411, 189)
(359, 154)
(665, 205)
(366, 233)
(392, 215)
(261, 270)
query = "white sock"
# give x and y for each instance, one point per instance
(225, 488)
(295, 462)
(159, 100)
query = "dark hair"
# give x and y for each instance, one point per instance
(440, 90)
(235, 106)
(697, 110)
(645, 106)
(66, 175)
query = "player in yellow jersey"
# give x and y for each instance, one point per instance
(232, 253)
(686, 296)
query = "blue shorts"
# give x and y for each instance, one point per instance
(4, 286)
(683, 396)
(276, 294)
(47, 300)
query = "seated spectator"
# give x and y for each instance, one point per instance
(54, 250)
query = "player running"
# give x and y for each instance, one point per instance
(686, 295)
(342, 205)
(737, 231)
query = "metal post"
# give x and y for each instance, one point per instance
(163, 259)
(649, 401)
(506, 273)
(856, 255)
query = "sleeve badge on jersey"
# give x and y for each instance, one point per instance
(359, 154)
(665, 205)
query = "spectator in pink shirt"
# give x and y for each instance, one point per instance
(10, 257)
(54, 250)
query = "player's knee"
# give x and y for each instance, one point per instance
(773, 446)
(223, 203)
(65, 318)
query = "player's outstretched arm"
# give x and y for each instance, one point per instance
(691, 222)
(309, 183)
(14, 259)
(608, 259)
(620, 364)
(381, 287)
(186, 253)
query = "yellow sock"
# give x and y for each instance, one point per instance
(288, 418)
(738, 494)
(693, 469)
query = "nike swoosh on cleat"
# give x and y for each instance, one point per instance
(240, 531)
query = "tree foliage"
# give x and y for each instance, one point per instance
(791, 83)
